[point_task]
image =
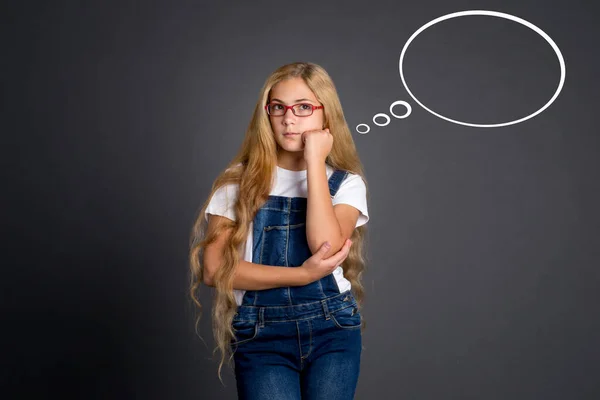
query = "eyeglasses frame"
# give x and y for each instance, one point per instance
(292, 108)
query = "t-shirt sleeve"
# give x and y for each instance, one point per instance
(353, 191)
(223, 201)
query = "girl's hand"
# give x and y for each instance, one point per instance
(317, 145)
(316, 267)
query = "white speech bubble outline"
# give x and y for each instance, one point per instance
(362, 133)
(493, 14)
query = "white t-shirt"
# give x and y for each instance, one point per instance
(289, 183)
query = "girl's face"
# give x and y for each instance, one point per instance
(289, 92)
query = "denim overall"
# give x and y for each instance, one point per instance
(301, 342)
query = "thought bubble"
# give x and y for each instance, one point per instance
(387, 118)
(463, 14)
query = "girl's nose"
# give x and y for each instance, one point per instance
(289, 116)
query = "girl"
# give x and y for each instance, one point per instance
(271, 238)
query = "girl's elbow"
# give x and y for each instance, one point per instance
(336, 244)
(208, 274)
(208, 280)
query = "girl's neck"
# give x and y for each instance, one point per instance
(291, 162)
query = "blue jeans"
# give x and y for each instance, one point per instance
(309, 351)
(301, 342)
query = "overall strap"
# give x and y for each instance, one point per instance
(335, 180)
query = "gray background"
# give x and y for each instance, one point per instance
(482, 279)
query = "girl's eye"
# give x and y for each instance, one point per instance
(276, 106)
(305, 107)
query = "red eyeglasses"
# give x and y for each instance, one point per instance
(299, 110)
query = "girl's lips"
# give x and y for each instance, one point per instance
(290, 134)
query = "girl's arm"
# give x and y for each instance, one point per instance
(251, 276)
(248, 276)
(324, 222)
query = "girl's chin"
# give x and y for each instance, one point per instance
(291, 147)
(291, 150)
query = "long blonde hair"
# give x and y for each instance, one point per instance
(252, 171)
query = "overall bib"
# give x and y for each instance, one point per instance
(301, 342)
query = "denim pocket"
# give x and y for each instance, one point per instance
(282, 245)
(347, 318)
(244, 331)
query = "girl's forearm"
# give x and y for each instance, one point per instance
(321, 223)
(251, 276)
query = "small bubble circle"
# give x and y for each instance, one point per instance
(365, 132)
(381, 115)
(405, 104)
